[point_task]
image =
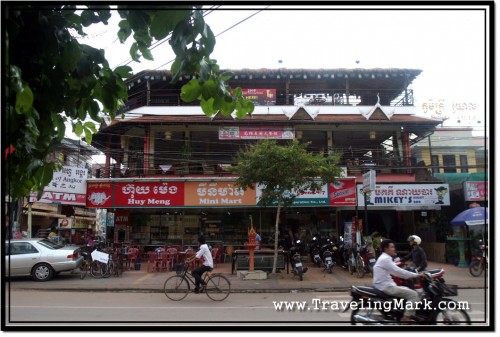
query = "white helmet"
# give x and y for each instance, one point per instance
(415, 238)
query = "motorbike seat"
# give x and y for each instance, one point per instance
(371, 292)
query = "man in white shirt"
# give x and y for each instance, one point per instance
(382, 280)
(208, 264)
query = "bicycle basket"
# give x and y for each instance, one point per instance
(178, 268)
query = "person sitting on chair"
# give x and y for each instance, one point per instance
(208, 264)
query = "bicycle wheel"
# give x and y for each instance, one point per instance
(176, 288)
(83, 269)
(360, 266)
(218, 287)
(109, 270)
(476, 268)
(97, 269)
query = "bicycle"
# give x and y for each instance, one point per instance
(178, 286)
(87, 261)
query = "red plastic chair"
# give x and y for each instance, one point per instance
(170, 258)
(132, 255)
(154, 262)
(215, 252)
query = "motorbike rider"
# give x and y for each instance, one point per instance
(382, 280)
(416, 255)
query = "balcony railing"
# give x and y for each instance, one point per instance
(339, 97)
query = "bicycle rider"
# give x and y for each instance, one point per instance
(207, 265)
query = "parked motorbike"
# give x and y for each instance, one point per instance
(315, 252)
(373, 307)
(328, 261)
(478, 262)
(366, 259)
(295, 259)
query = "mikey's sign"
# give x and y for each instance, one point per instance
(406, 195)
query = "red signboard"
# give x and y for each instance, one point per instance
(99, 194)
(148, 194)
(343, 192)
(475, 190)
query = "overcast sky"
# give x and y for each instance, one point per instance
(448, 45)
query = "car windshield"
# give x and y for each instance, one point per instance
(49, 244)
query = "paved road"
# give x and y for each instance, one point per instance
(36, 307)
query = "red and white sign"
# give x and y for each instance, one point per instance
(148, 194)
(343, 192)
(65, 223)
(99, 194)
(255, 132)
(475, 190)
(59, 198)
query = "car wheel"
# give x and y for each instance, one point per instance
(42, 272)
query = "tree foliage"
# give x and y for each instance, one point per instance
(284, 172)
(51, 78)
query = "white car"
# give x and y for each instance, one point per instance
(39, 258)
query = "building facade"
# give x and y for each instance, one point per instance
(165, 178)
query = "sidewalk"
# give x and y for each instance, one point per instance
(314, 280)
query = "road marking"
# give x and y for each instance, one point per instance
(145, 277)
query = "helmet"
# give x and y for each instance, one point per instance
(415, 238)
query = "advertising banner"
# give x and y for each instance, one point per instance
(343, 192)
(406, 195)
(217, 193)
(475, 190)
(255, 132)
(260, 96)
(303, 199)
(148, 194)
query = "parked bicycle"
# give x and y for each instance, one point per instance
(178, 286)
(105, 266)
(479, 262)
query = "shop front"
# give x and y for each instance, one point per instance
(152, 212)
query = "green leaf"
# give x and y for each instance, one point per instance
(124, 71)
(70, 55)
(146, 53)
(78, 128)
(88, 136)
(191, 90)
(134, 52)
(207, 107)
(24, 100)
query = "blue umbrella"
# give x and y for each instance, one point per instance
(471, 217)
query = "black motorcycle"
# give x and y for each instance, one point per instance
(373, 307)
(298, 268)
(315, 252)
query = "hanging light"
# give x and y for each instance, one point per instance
(373, 135)
(168, 135)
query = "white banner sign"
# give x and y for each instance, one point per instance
(69, 180)
(406, 195)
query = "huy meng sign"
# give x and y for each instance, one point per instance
(217, 193)
(148, 194)
(406, 195)
(135, 194)
(68, 186)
